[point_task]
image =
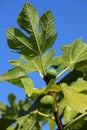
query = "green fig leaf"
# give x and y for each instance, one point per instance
(72, 54)
(34, 65)
(36, 42)
(14, 73)
(52, 87)
(29, 88)
(77, 101)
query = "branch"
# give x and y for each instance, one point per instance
(56, 114)
(55, 106)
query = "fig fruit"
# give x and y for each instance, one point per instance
(51, 74)
(47, 101)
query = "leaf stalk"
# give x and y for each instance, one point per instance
(61, 73)
(43, 69)
(44, 115)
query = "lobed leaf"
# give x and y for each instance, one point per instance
(34, 65)
(14, 73)
(14, 76)
(72, 54)
(29, 89)
(28, 19)
(80, 85)
(20, 43)
(37, 42)
(77, 101)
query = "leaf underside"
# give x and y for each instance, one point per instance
(36, 42)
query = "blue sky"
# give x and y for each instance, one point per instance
(70, 22)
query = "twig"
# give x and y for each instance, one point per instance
(56, 114)
(58, 121)
(55, 105)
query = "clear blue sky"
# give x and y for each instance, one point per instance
(70, 22)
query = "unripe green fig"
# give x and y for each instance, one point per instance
(51, 74)
(46, 101)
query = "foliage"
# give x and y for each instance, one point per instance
(62, 103)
